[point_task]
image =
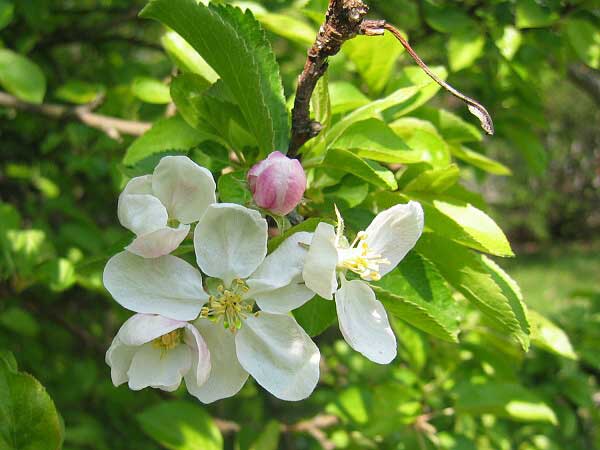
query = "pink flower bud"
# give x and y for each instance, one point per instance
(277, 183)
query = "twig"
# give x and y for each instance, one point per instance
(586, 79)
(314, 427)
(345, 20)
(474, 107)
(112, 126)
(342, 23)
(226, 426)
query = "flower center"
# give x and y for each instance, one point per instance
(169, 341)
(229, 305)
(360, 259)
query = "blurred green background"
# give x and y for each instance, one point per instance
(533, 63)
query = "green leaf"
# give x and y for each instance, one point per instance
(9, 361)
(478, 280)
(268, 438)
(369, 171)
(316, 316)
(28, 249)
(20, 321)
(452, 128)
(374, 58)
(511, 401)
(464, 48)
(416, 293)
(21, 77)
(548, 336)
(233, 188)
(414, 76)
(28, 417)
(435, 180)
(463, 223)
(531, 14)
(287, 26)
(79, 92)
(237, 49)
(425, 141)
(7, 10)
(530, 146)
(509, 42)
(186, 58)
(478, 160)
(150, 90)
(446, 18)
(584, 37)
(345, 97)
(373, 139)
(179, 425)
(168, 134)
(187, 91)
(370, 110)
(58, 274)
(321, 106)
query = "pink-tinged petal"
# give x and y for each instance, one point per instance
(185, 188)
(277, 183)
(158, 243)
(201, 366)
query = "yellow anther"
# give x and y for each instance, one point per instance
(168, 341)
(230, 307)
(360, 259)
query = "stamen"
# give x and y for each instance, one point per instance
(360, 259)
(230, 307)
(168, 341)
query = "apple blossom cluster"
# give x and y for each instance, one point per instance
(215, 323)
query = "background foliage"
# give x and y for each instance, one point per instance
(464, 378)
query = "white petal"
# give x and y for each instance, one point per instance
(185, 188)
(159, 368)
(118, 358)
(394, 232)
(226, 375)
(364, 322)
(158, 243)
(143, 328)
(200, 369)
(321, 262)
(277, 285)
(139, 185)
(141, 213)
(230, 241)
(279, 355)
(168, 286)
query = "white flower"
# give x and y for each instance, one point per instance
(231, 247)
(177, 193)
(153, 351)
(374, 253)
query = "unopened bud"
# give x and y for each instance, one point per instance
(277, 183)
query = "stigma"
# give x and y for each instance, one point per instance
(229, 306)
(361, 259)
